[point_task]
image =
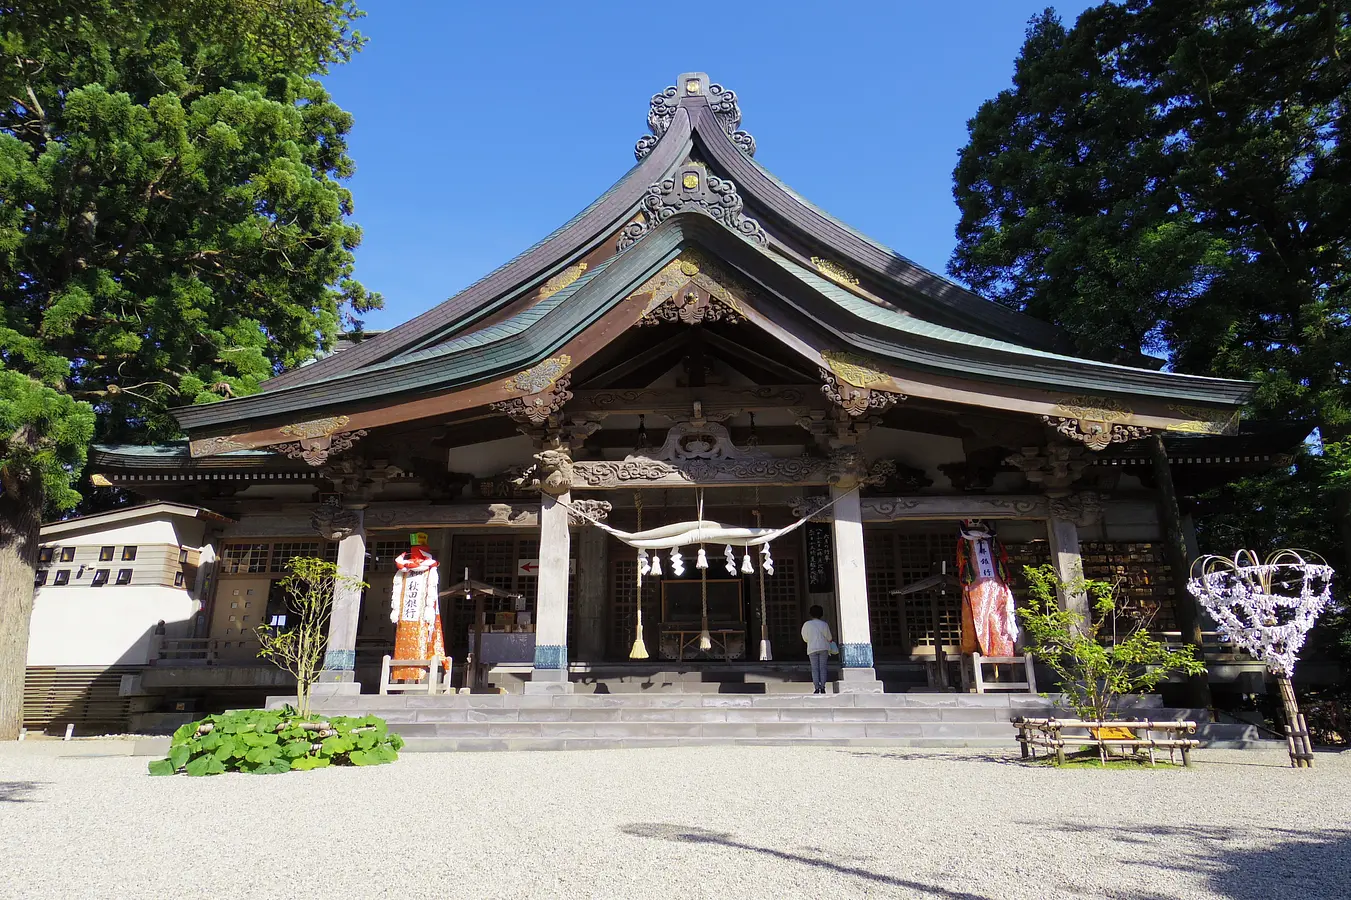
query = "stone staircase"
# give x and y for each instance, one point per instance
(696, 717)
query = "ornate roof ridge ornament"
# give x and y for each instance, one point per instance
(1095, 422)
(692, 188)
(536, 408)
(692, 289)
(850, 382)
(721, 100)
(318, 439)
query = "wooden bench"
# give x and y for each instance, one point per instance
(1049, 734)
(436, 682)
(978, 662)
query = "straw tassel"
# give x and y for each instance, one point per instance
(747, 567)
(656, 565)
(702, 561)
(705, 639)
(639, 649)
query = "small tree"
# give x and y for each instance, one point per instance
(1093, 672)
(298, 646)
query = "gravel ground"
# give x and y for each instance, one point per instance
(691, 822)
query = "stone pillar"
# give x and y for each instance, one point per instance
(591, 565)
(1063, 536)
(550, 674)
(204, 586)
(851, 592)
(339, 671)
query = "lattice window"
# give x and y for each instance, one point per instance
(783, 607)
(495, 560)
(901, 624)
(623, 605)
(263, 558)
(380, 555)
(886, 618)
(244, 558)
(284, 551)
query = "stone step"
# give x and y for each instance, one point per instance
(960, 731)
(847, 714)
(1023, 704)
(474, 744)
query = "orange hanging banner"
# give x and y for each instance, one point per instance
(415, 608)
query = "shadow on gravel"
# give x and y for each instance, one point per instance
(689, 834)
(19, 791)
(1310, 864)
(1002, 759)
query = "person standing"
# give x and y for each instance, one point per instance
(817, 634)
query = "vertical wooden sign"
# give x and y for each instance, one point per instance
(820, 558)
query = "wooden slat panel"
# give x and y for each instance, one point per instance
(54, 697)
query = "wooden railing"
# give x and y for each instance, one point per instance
(202, 651)
(238, 651)
(1211, 645)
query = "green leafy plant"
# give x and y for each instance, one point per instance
(298, 646)
(1096, 668)
(266, 742)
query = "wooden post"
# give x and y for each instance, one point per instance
(591, 569)
(478, 637)
(1185, 607)
(1063, 541)
(1296, 731)
(851, 588)
(550, 674)
(341, 651)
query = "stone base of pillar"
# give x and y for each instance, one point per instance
(548, 681)
(858, 681)
(334, 687)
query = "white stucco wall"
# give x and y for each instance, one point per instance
(87, 626)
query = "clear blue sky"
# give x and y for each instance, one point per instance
(481, 127)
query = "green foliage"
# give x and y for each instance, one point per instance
(1175, 178)
(1094, 671)
(266, 742)
(172, 226)
(43, 436)
(309, 588)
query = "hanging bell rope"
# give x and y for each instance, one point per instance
(705, 639)
(766, 652)
(639, 650)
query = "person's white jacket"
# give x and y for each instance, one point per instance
(817, 635)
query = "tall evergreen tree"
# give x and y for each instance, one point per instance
(172, 230)
(1173, 177)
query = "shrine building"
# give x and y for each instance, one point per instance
(699, 334)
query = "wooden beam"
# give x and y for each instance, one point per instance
(955, 507)
(679, 402)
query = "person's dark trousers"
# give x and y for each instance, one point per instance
(819, 670)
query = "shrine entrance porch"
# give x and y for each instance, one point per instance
(668, 676)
